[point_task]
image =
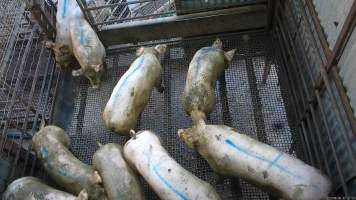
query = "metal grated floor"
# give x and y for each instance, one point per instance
(243, 101)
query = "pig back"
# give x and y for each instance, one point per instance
(204, 69)
(131, 93)
(88, 49)
(63, 17)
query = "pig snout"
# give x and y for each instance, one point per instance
(94, 75)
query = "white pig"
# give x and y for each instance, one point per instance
(231, 153)
(32, 188)
(167, 178)
(120, 181)
(131, 93)
(87, 48)
(63, 47)
(205, 68)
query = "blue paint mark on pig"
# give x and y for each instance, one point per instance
(156, 170)
(81, 36)
(44, 152)
(140, 61)
(64, 11)
(250, 153)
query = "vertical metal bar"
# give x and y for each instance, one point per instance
(35, 78)
(338, 165)
(338, 116)
(256, 101)
(317, 128)
(300, 91)
(39, 103)
(17, 85)
(306, 143)
(296, 65)
(313, 143)
(308, 67)
(324, 43)
(344, 99)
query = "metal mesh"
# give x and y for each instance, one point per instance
(243, 101)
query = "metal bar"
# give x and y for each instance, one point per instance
(338, 165)
(345, 99)
(271, 10)
(133, 18)
(293, 89)
(82, 5)
(17, 84)
(317, 129)
(338, 115)
(296, 72)
(191, 25)
(116, 4)
(343, 37)
(323, 41)
(309, 28)
(293, 54)
(306, 143)
(308, 67)
(255, 98)
(37, 113)
(32, 91)
(224, 6)
(313, 142)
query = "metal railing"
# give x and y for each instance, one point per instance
(28, 82)
(111, 12)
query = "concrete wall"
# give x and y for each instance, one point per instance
(332, 14)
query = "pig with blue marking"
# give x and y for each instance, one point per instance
(131, 94)
(87, 49)
(231, 153)
(51, 145)
(63, 47)
(206, 67)
(166, 177)
(33, 188)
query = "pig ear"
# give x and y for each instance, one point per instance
(230, 54)
(99, 67)
(139, 51)
(161, 49)
(217, 43)
(49, 44)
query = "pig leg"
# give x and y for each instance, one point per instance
(159, 85)
(77, 72)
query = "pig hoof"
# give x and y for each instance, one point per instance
(161, 89)
(83, 195)
(97, 177)
(77, 72)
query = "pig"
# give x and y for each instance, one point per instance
(32, 188)
(167, 178)
(231, 153)
(51, 146)
(120, 181)
(132, 92)
(63, 47)
(205, 68)
(87, 49)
